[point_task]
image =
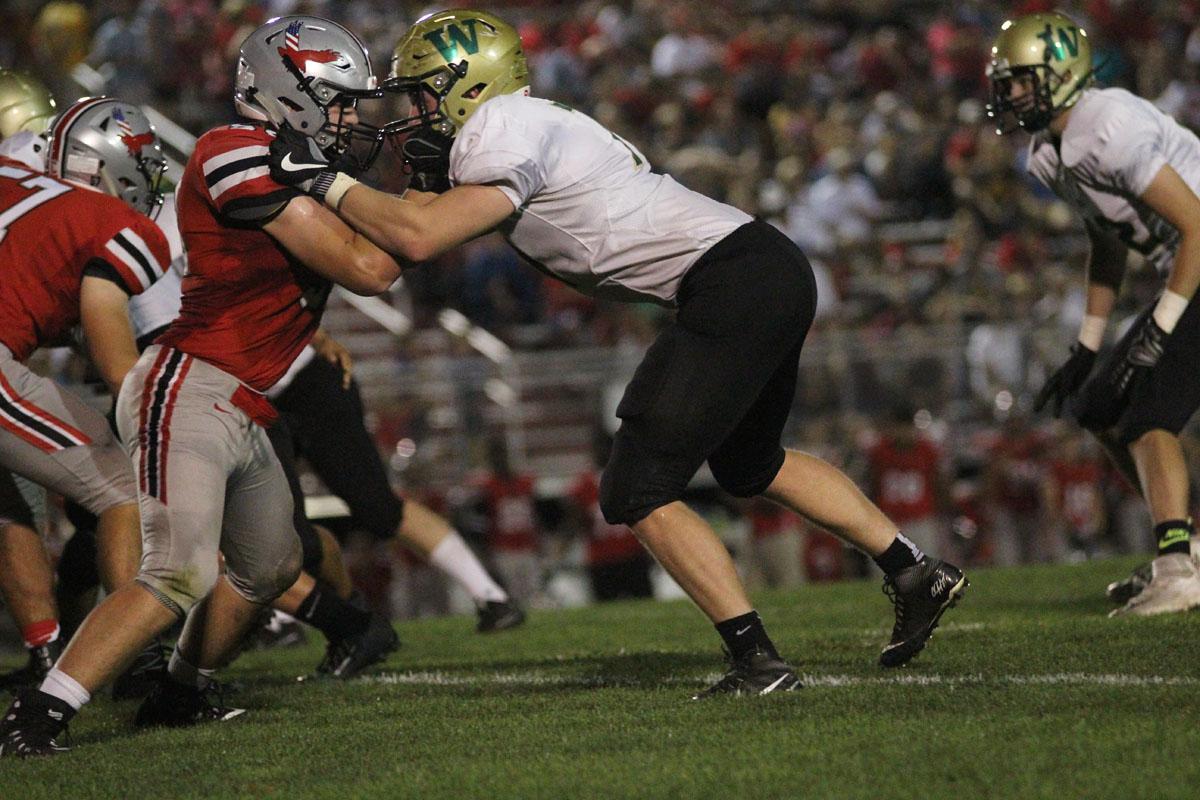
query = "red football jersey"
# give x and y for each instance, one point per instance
(606, 543)
(248, 307)
(1079, 488)
(512, 520)
(903, 479)
(50, 232)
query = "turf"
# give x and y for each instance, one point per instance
(1027, 691)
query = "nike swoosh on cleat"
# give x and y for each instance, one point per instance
(231, 713)
(743, 630)
(774, 685)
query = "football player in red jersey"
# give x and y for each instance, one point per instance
(26, 109)
(68, 256)
(262, 258)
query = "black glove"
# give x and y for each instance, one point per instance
(427, 153)
(297, 161)
(1067, 380)
(1142, 355)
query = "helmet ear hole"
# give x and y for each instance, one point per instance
(290, 103)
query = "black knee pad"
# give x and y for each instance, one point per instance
(746, 474)
(1096, 406)
(379, 516)
(635, 483)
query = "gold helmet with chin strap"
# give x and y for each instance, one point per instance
(1054, 52)
(459, 59)
(25, 103)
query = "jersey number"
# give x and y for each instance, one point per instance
(47, 189)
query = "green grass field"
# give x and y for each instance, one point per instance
(1026, 691)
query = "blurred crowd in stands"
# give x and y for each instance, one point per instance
(856, 126)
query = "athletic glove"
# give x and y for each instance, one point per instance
(1143, 354)
(1067, 380)
(427, 153)
(297, 161)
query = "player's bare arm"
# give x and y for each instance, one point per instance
(1175, 201)
(418, 232)
(102, 313)
(1105, 271)
(331, 248)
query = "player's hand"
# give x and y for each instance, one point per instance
(427, 153)
(1067, 380)
(332, 351)
(1143, 354)
(295, 159)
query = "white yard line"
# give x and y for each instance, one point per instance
(540, 679)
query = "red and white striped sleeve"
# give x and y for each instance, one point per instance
(234, 163)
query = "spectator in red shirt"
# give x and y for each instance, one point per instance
(906, 480)
(512, 529)
(617, 564)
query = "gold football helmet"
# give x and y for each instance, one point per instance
(1051, 52)
(25, 103)
(450, 63)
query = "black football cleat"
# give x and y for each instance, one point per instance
(170, 704)
(756, 673)
(920, 594)
(147, 671)
(32, 725)
(41, 659)
(498, 615)
(348, 657)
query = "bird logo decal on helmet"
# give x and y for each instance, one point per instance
(134, 142)
(299, 59)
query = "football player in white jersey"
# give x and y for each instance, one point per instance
(1132, 173)
(582, 204)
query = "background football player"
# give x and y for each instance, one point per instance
(716, 386)
(72, 253)
(1131, 172)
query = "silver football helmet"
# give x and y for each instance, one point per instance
(292, 69)
(109, 145)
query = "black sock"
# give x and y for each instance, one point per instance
(745, 634)
(332, 615)
(899, 556)
(1174, 536)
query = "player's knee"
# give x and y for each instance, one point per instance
(1133, 434)
(626, 500)
(381, 516)
(180, 589)
(746, 477)
(268, 581)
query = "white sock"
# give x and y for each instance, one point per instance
(183, 672)
(453, 557)
(61, 685)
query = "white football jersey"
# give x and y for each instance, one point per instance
(159, 305)
(28, 148)
(1113, 146)
(589, 210)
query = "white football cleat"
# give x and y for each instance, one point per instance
(1174, 586)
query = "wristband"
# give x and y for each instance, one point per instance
(342, 183)
(1169, 309)
(1091, 332)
